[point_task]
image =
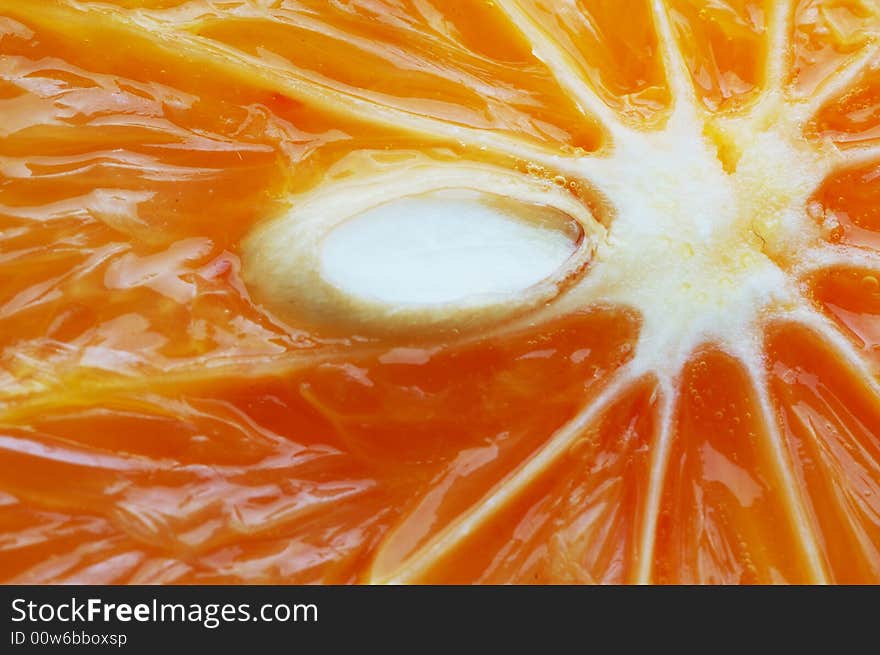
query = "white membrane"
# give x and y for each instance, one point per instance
(696, 249)
(440, 248)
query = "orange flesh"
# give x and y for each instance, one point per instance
(853, 118)
(832, 427)
(568, 527)
(850, 198)
(852, 298)
(623, 65)
(721, 464)
(158, 426)
(723, 45)
(825, 33)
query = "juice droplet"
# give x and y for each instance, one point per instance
(870, 284)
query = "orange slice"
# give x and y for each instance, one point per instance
(432, 291)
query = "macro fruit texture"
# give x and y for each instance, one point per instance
(439, 291)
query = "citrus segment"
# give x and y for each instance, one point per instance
(407, 67)
(552, 365)
(421, 58)
(621, 66)
(195, 492)
(826, 33)
(831, 424)
(852, 298)
(32, 537)
(579, 520)
(724, 46)
(851, 119)
(846, 205)
(371, 435)
(723, 517)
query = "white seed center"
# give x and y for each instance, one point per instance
(443, 247)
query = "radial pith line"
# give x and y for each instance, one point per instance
(509, 489)
(825, 328)
(678, 75)
(855, 156)
(562, 67)
(257, 72)
(838, 256)
(780, 23)
(365, 44)
(660, 453)
(843, 79)
(832, 336)
(802, 526)
(867, 547)
(21, 405)
(368, 110)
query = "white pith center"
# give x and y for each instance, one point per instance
(695, 249)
